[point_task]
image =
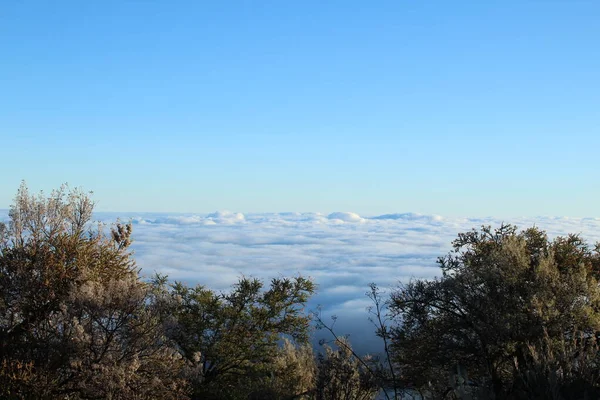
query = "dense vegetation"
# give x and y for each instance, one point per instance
(513, 316)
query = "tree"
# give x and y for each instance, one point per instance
(505, 297)
(229, 341)
(76, 321)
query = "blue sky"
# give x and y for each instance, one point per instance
(449, 107)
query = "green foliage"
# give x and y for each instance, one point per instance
(503, 294)
(227, 337)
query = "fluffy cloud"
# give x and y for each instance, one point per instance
(345, 217)
(343, 252)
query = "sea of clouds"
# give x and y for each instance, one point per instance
(342, 252)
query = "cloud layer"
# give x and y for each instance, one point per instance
(343, 252)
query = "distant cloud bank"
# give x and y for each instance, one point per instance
(342, 251)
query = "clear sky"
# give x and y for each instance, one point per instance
(450, 107)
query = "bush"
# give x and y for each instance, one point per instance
(75, 319)
(341, 375)
(504, 313)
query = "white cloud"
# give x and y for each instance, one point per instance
(345, 217)
(226, 217)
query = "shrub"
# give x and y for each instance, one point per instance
(75, 319)
(505, 304)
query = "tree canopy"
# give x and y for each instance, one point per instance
(230, 338)
(74, 315)
(505, 298)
